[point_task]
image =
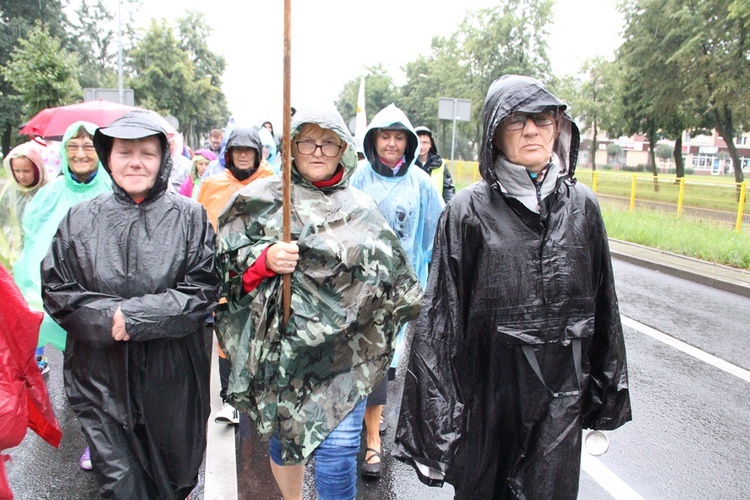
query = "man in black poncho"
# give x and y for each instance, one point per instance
(519, 345)
(131, 277)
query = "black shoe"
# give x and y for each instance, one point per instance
(372, 471)
(383, 425)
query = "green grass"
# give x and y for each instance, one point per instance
(701, 240)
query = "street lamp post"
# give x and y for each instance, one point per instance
(121, 91)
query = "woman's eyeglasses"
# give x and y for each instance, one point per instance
(328, 149)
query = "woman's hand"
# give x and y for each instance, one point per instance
(118, 327)
(282, 258)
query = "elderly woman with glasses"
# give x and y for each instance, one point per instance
(305, 383)
(518, 346)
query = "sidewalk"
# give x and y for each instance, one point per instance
(716, 276)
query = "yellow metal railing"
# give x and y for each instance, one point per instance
(708, 200)
(463, 172)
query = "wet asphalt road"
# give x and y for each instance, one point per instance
(688, 438)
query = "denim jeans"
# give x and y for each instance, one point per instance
(335, 458)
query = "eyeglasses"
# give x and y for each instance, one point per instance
(517, 121)
(328, 149)
(72, 148)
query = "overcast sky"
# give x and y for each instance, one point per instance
(334, 40)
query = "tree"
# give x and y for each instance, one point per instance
(16, 18)
(502, 40)
(166, 80)
(194, 32)
(595, 101)
(688, 63)
(42, 72)
(488, 44)
(95, 27)
(428, 78)
(380, 91)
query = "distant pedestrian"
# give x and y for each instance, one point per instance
(180, 163)
(130, 276)
(518, 346)
(431, 162)
(199, 163)
(215, 141)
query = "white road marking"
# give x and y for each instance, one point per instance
(600, 472)
(221, 456)
(687, 349)
(607, 479)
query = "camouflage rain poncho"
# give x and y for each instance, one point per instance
(352, 290)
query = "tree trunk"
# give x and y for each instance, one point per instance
(679, 163)
(724, 125)
(6, 140)
(592, 150)
(651, 154)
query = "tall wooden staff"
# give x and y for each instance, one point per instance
(286, 153)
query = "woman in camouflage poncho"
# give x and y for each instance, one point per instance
(352, 290)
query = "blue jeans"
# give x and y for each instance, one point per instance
(335, 458)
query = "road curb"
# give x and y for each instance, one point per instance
(716, 276)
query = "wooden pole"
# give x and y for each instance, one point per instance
(286, 153)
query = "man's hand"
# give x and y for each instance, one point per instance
(118, 327)
(282, 258)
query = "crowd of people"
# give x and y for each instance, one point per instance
(140, 246)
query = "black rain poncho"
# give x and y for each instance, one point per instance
(518, 345)
(143, 404)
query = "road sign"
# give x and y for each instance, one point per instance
(447, 106)
(454, 109)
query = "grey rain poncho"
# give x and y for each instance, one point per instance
(518, 346)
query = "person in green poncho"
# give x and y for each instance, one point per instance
(305, 384)
(82, 177)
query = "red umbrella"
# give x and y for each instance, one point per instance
(52, 122)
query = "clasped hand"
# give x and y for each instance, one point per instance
(282, 258)
(118, 326)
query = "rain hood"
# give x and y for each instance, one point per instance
(136, 125)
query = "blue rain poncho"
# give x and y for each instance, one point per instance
(40, 220)
(408, 201)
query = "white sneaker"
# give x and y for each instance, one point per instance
(227, 415)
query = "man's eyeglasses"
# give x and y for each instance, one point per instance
(517, 121)
(72, 148)
(328, 149)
